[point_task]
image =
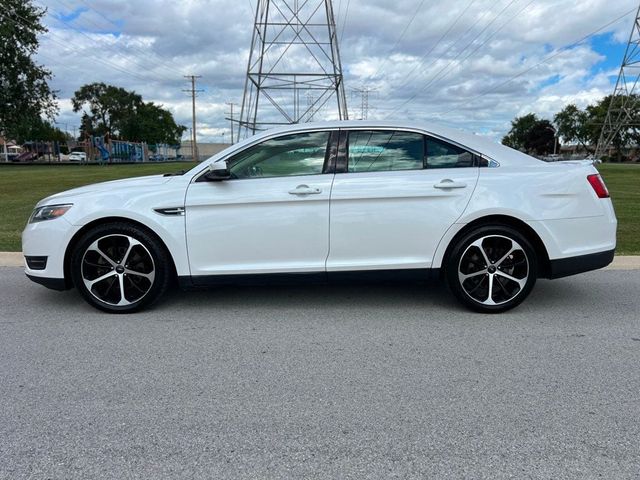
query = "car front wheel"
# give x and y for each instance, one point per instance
(120, 268)
(492, 269)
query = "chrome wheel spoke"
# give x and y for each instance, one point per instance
(149, 276)
(132, 243)
(521, 282)
(91, 283)
(123, 300)
(479, 246)
(466, 277)
(94, 247)
(489, 300)
(514, 247)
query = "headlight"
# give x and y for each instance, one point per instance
(49, 212)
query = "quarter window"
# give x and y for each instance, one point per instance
(441, 154)
(376, 151)
(290, 155)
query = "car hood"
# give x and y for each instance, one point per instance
(133, 184)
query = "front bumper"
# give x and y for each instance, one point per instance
(52, 283)
(48, 239)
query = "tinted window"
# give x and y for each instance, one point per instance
(375, 151)
(444, 155)
(298, 154)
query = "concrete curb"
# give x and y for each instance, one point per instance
(11, 259)
(621, 262)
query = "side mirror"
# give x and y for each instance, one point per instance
(217, 172)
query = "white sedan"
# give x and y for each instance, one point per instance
(322, 201)
(77, 157)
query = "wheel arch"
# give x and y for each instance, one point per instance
(102, 221)
(544, 268)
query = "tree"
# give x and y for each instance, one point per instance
(121, 114)
(572, 126)
(41, 130)
(25, 95)
(153, 124)
(540, 138)
(109, 106)
(531, 134)
(585, 126)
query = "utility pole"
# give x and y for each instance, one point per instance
(275, 76)
(193, 91)
(231, 118)
(624, 98)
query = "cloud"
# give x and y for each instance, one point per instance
(148, 46)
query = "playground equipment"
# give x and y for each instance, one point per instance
(119, 151)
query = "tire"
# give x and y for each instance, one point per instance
(120, 256)
(504, 281)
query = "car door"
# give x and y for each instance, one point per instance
(271, 216)
(398, 194)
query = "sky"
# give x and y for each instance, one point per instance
(471, 64)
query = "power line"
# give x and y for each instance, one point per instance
(446, 70)
(423, 88)
(140, 50)
(418, 64)
(93, 40)
(395, 45)
(560, 51)
(66, 45)
(344, 22)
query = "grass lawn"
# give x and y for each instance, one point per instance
(623, 182)
(22, 186)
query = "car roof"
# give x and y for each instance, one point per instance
(477, 143)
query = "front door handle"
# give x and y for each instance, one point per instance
(448, 183)
(305, 190)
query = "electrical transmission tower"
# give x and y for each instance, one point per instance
(625, 95)
(294, 51)
(364, 93)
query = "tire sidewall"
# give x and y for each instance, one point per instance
(453, 262)
(153, 245)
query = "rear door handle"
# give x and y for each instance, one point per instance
(448, 183)
(305, 190)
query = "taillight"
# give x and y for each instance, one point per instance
(598, 185)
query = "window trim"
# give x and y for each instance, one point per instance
(379, 130)
(475, 158)
(342, 165)
(326, 167)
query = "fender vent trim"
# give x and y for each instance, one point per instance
(170, 211)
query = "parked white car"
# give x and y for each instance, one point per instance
(77, 157)
(320, 201)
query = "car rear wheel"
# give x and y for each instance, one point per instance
(120, 268)
(492, 269)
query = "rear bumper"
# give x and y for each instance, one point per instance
(563, 267)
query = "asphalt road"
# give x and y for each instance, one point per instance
(322, 382)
